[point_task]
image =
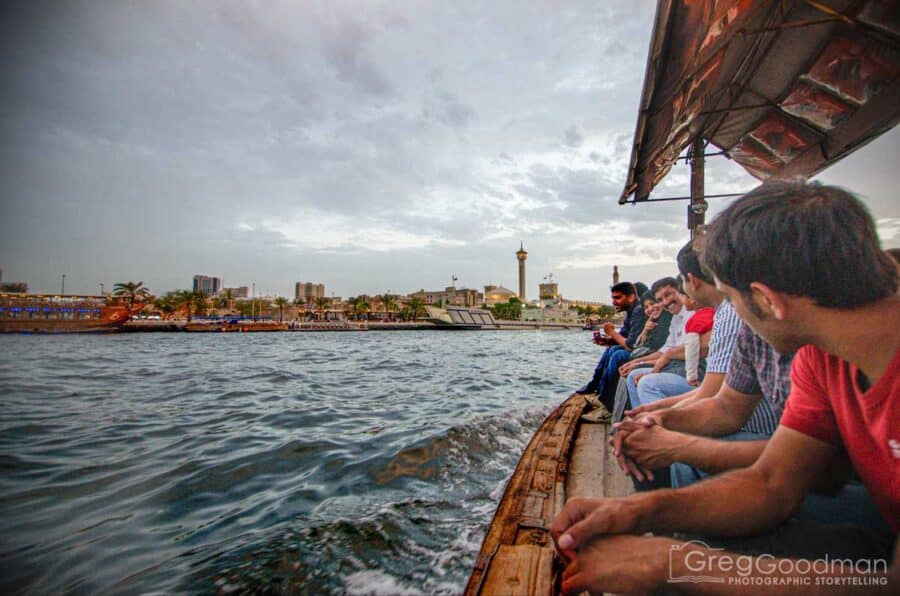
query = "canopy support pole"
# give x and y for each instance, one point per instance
(697, 208)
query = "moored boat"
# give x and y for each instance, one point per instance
(63, 313)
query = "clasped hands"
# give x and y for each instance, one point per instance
(641, 442)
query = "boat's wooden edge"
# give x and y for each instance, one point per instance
(516, 555)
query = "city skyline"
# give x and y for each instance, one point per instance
(373, 147)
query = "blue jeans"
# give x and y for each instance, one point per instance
(657, 386)
(851, 505)
(607, 371)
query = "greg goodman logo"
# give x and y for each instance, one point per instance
(697, 562)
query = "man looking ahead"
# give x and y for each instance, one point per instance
(802, 266)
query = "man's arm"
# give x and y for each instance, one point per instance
(738, 503)
(722, 415)
(710, 386)
(654, 447)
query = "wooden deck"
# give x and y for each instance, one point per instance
(565, 458)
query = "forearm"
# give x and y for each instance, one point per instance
(715, 456)
(648, 359)
(619, 339)
(706, 417)
(736, 503)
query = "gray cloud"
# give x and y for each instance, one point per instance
(368, 146)
(573, 137)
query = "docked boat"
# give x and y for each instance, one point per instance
(781, 88)
(63, 313)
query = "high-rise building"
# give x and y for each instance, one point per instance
(238, 292)
(207, 285)
(521, 254)
(306, 291)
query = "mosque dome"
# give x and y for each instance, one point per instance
(498, 294)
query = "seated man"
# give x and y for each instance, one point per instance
(699, 286)
(832, 296)
(624, 299)
(656, 327)
(666, 291)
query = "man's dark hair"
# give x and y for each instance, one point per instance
(647, 296)
(803, 239)
(689, 262)
(624, 287)
(661, 283)
(641, 288)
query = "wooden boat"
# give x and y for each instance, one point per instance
(783, 89)
(62, 313)
(566, 458)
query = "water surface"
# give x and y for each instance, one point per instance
(285, 462)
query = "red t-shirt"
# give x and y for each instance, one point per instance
(827, 403)
(701, 321)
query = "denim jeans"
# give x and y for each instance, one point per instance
(657, 386)
(607, 370)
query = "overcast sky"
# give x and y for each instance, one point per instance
(369, 146)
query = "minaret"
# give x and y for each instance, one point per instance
(521, 254)
(615, 274)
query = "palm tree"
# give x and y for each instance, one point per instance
(388, 303)
(281, 302)
(132, 292)
(165, 304)
(416, 307)
(362, 306)
(200, 301)
(321, 304)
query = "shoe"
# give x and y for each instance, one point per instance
(592, 401)
(600, 414)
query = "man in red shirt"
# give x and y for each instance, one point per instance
(802, 266)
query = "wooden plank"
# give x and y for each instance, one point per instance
(521, 570)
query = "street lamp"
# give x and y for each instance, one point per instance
(62, 285)
(101, 288)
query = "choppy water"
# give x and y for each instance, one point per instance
(275, 463)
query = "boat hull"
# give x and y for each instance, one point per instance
(565, 458)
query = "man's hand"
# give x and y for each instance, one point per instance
(629, 465)
(583, 519)
(655, 447)
(619, 564)
(627, 368)
(661, 362)
(609, 328)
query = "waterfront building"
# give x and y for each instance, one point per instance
(206, 284)
(450, 296)
(307, 291)
(521, 255)
(549, 291)
(238, 292)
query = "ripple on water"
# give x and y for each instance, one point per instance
(335, 463)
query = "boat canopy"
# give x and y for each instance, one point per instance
(782, 87)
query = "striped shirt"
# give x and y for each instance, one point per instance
(756, 368)
(724, 335)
